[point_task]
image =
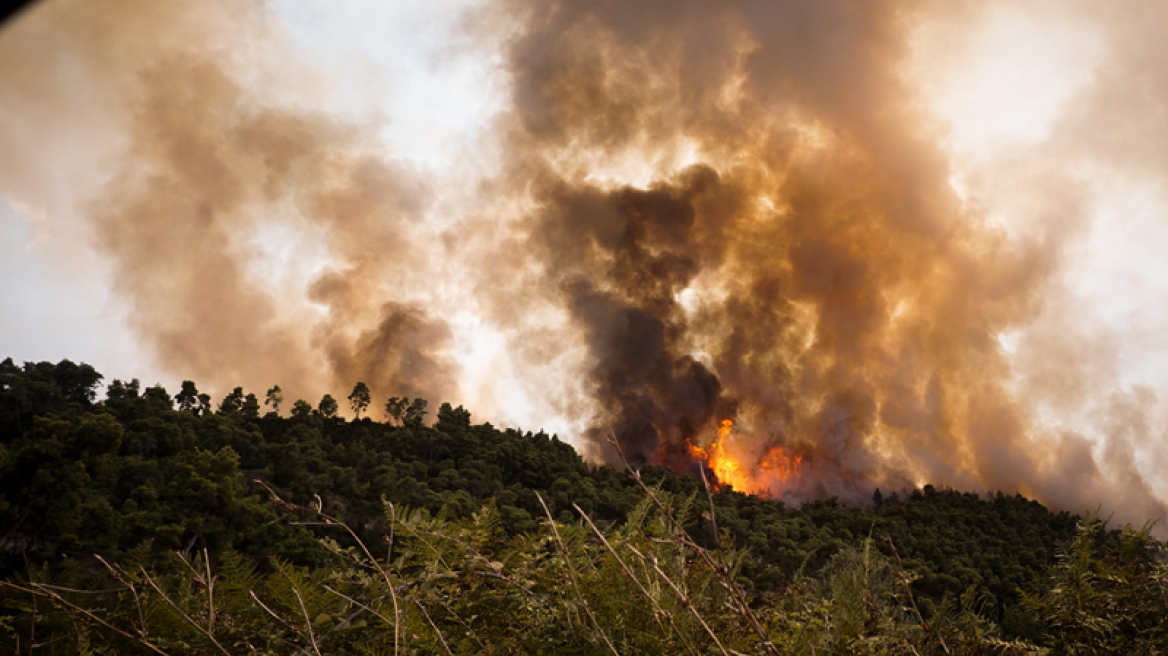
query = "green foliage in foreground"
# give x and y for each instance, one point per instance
(179, 503)
(468, 587)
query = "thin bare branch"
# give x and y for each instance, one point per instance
(181, 612)
(38, 591)
(339, 626)
(307, 621)
(718, 566)
(632, 575)
(572, 575)
(271, 612)
(381, 570)
(685, 600)
(210, 593)
(120, 577)
(909, 595)
(466, 626)
(354, 601)
(437, 631)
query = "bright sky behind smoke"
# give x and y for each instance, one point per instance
(1049, 130)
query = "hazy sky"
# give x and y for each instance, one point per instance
(393, 59)
(307, 192)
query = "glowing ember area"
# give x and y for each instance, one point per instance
(773, 470)
(779, 466)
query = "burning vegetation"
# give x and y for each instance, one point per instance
(769, 475)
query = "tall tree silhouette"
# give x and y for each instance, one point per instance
(360, 398)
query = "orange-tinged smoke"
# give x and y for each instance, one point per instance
(691, 211)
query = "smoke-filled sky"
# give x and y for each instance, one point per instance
(911, 242)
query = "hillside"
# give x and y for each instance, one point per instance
(260, 498)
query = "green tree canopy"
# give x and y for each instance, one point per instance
(251, 406)
(233, 402)
(188, 397)
(415, 413)
(328, 406)
(395, 406)
(301, 409)
(360, 398)
(274, 398)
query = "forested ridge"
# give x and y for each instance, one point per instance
(152, 522)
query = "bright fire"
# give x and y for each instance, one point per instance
(774, 469)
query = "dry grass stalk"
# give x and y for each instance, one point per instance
(307, 621)
(719, 566)
(572, 574)
(911, 598)
(632, 575)
(180, 611)
(39, 590)
(437, 631)
(275, 498)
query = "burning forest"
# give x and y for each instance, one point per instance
(769, 474)
(731, 236)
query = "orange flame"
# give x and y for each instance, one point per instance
(779, 465)
(724, 466)
(696, 451)
(773, 469)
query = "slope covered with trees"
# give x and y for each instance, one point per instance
(147, 493)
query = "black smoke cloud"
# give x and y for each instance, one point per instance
(619, 260)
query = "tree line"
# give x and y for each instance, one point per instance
(133, 493)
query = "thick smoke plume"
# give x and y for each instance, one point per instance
(701, 211)
(810, 274)
(210, 172)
